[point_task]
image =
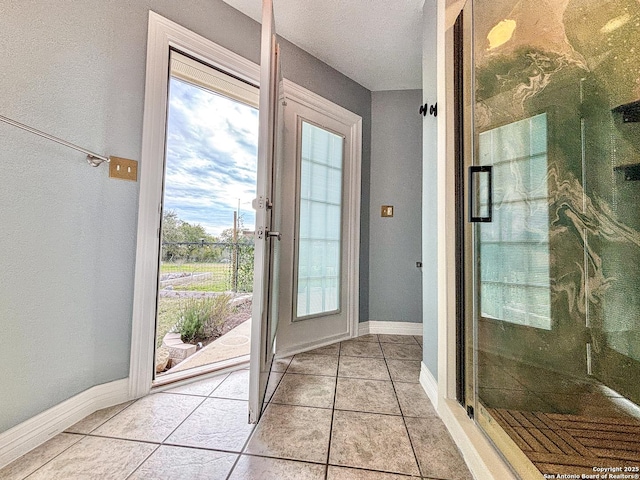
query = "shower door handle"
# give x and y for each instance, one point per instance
(480, 185)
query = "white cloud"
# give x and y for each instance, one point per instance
(211, 158)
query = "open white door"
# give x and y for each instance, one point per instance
(321, 217)
(267, 206)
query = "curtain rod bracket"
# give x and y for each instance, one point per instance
(96, 161)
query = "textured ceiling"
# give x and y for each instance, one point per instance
(377, 43)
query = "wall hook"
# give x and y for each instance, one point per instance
(431, 110)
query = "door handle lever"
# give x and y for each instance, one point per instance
(277, 235)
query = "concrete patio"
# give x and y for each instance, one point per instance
(235, 343)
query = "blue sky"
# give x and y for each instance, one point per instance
(211, 158)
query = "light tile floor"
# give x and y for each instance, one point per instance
(350, 411)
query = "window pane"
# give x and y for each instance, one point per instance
(320, 222)
(514, 266)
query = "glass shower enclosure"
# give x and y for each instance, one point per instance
(555, 192)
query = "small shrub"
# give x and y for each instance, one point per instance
(219, 310)
(202, 318)
(191, 320)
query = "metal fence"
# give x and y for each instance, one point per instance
(206, 267)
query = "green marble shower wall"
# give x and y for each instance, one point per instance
(574, 65)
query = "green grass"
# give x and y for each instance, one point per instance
(168, 314)
(210, 285)
(221, 281)
(194, 267)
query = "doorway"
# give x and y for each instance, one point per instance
(206, 229)
(166, 36)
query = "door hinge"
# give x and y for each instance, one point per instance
(258, 203)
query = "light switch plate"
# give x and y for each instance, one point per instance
(387, 211)
(123, 168)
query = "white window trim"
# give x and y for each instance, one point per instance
(163, 35)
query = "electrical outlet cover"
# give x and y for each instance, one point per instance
(123, 168)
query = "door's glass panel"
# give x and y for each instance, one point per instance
(319, 222)
(557, 281)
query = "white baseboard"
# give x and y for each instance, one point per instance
(480, 455)
(429, 384)
(26, 436)
(390, 328)
(305, 347)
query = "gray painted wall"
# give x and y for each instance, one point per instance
(430, 192)
(395, 244)
(76, 69)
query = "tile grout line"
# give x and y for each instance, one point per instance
(161, 443)
(111, 417)
(109, 437)
(404, 421)
(275, 389)
(220, 384)
(268, 457)
(143, 462)
(399, 407)
(91, 434)
(235, 462)
(84, 435)
(306, 374)
(184, 420)
(206, 449)
(255, 427)
(262, 455)
(333, 411)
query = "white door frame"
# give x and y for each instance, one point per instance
(164, 34)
